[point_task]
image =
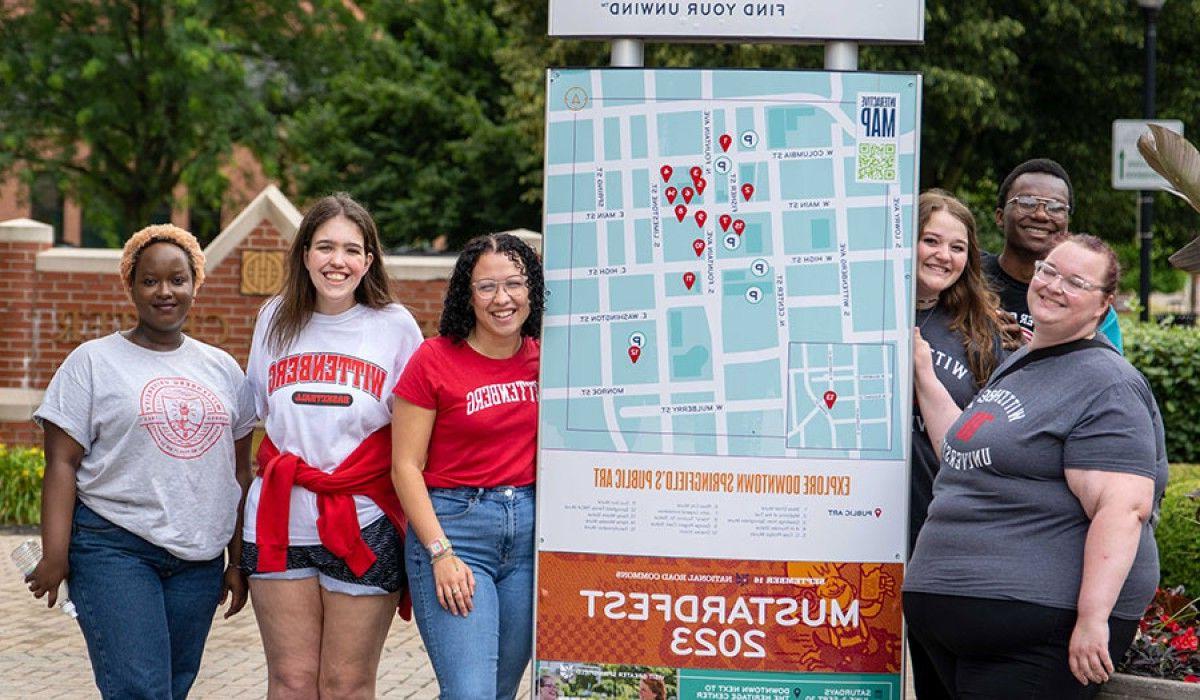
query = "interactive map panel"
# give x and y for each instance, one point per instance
(725, 388)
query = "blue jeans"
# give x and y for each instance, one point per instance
(484, 654)
(145, 613)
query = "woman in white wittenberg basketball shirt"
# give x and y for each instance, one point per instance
(141, 495)
(323, 525)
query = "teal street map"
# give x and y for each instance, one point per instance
(727, 262)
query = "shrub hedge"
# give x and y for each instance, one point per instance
(1170, 359)
(1178, 532)
(21, 470)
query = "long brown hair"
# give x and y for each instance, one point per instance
(972, 305)
(298, 298)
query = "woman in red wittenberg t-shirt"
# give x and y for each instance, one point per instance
(464, 447)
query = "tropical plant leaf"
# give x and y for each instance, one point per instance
(1171, 156)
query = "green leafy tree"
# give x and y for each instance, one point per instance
(123, 101)
(417, 131)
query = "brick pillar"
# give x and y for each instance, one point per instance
(20, 242)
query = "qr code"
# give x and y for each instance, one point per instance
(876, 162)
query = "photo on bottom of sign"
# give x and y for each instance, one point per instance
(563, 680)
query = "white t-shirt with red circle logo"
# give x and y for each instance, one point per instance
(323, 395)
(157, 430)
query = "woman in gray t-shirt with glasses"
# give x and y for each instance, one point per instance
(1038, 555)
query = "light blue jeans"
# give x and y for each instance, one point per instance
(484, 654)
(144, 612)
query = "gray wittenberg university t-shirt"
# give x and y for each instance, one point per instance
(1003, 524)
(950, 366)
(157, 431)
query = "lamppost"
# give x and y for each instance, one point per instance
(1150, 9)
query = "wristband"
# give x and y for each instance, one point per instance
(439, 547)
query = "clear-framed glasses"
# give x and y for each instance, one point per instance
(1072, 285)
(1028, 204)
(516, 287)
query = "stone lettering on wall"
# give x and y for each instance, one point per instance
(72, 326)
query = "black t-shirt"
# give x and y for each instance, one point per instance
(1013, 292)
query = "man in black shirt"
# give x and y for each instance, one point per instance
(1033, 209)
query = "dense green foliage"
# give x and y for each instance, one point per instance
(1170, 359)
(431, 111)
(21, 470)
(1178, 532)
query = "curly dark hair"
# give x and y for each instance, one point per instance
(458, 318)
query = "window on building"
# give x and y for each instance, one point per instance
(46, 203)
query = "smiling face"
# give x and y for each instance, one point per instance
(1060, 310)
(336, 260)
(162, 288)
(499, 311)
(941, 254)
(1033, 234)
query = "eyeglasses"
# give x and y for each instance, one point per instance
(1028, 204)
(1072, 286)
(516, 287)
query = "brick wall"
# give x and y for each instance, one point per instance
(45, 311)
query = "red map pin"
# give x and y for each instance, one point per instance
(696, 172)
(634, 353)
(830, 398)
(878, 512)
(701, 183)
(701, 217)
(726, 141)
(689, 278)
(687, 193)
(680, 212)
(725, 220)
(666, 171)
(747, 191)
(739, 226)
(671, 192)
(698, 246)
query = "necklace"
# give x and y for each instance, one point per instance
(929, 313)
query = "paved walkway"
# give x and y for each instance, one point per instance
(42, 653)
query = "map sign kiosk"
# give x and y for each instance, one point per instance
(726, 383)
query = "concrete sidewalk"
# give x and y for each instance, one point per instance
(42, 653)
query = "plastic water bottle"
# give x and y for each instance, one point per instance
(26, 556)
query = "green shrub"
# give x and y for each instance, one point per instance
(1178, 532)
(21, 470)
(1170, 359)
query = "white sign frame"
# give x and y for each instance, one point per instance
(794, 21)
(1129, 169)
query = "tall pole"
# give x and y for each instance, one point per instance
(1146, 197)
(628, 53)
(841, 55)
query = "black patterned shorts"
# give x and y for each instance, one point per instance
(386, 575)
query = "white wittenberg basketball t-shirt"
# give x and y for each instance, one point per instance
(323, 395)
(157, 431)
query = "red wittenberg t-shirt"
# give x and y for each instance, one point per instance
(485, 432)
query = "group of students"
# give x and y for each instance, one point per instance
(398, 472)
(1038, 458)
(394, 471)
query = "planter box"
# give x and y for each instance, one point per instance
(1125, 687)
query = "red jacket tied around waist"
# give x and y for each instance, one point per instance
(365, 472)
